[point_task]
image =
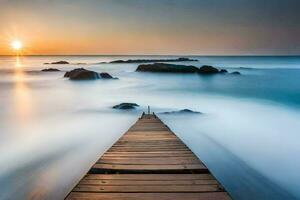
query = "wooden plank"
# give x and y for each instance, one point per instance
(149, 167)
(146, 156)
(148, 188)
(151, 152)
(149, 176)
(148, 143)
(147, 149)
(149, 155)
(148, 182)
(149, 196)
(152, 161)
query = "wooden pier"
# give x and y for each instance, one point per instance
(149, 162)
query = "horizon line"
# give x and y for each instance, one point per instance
(183, 55)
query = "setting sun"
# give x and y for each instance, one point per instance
(16, 45)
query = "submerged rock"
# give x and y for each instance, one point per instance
(82, 74)
(126, 106)
(223, 71)
(170, 68)
(62, 62)
(235, 73)
(50, 70)
(207, 69)
(249, 68)
(106, 75)
(182, 59)
(184, 111)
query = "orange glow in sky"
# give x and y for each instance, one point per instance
(190, 27)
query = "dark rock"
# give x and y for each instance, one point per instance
(153, 60)
(82, 74)
(106, 75)
(126, 106)
(163, 67)
(236, 73)
(59, 63)
(223, 71)
(121, 61)
(183, 59)
(67, 74)
(50, 70)
(206, 69)
(184, 111)
(249, 68)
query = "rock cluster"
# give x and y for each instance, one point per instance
(170, 68)
(62, 62)
(182, 59)
(174, 68)
(50, 70)
(81, 74)
(184, 111)
(84, 74)
(126, 106)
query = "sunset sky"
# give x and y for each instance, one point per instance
(204, 27)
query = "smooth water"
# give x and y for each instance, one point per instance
(52, 130)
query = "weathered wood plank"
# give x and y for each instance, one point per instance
(149, 167)
(148, 177)
(147, 182)
(148, 188)
(149, 196)
(147, 156)
(151, 152)
(143, 161)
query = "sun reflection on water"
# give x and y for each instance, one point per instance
(22, 98)
(18, 63)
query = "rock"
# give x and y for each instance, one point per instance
(106, 75)
(126, 106)
(50, 70)
(68, 74)
(184, 111)
(122, 61)
(206, 69)
(182, 59)
(223, 71)
(249, 68)
(82, 74)
(235, 73)
(59, 63)
(163, 67)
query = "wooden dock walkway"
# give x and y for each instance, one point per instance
(149, 162)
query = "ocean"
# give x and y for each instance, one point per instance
(52, 129)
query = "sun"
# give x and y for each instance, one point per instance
(16, 45)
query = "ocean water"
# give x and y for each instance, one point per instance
(52, 130)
